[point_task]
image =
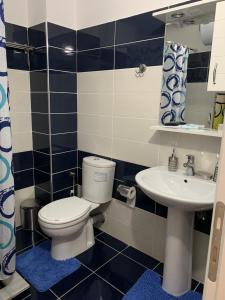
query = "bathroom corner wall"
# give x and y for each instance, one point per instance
(19, 85)
(115, 112)
(53, 98)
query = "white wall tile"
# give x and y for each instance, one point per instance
(137, 105)
(36, 12)
(21, 195)
(95, 82)
(22, 141)
(132, 129)
(139, 153)
(100, 11)
(16, 12)
(95, 124)
(21, 122)
(95, 144)
(127, 82)
(97, 104)
(20, 101)
(19, 80)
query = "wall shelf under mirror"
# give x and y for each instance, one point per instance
(205, 131)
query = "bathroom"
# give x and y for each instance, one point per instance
(86, 92)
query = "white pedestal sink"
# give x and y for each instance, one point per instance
(183, 195)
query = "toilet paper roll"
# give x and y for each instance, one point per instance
(127, 192)
(206, 31)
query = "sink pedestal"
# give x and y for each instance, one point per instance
(178, 253)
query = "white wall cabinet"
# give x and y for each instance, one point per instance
(217, 66)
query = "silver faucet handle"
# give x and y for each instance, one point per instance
(190, 158)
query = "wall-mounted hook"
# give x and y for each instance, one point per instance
(141, 70)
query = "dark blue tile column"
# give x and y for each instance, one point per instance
(54, 109)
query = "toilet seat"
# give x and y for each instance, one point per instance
(65, 211)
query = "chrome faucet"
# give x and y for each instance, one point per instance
(190, 165)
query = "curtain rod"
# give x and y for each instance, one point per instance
(192, 49)
(19, 46)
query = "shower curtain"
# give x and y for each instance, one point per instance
(7, 201)
(173, 93)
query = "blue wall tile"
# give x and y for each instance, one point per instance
(23, 179)
(61, 37)
(23, 161)
(197, 75)
(40, 123)
(63, 103)
(126, 171)
(38, 59)
(37, 35)
(62, 123)
(203, 221)
(144, 202)
(62, 194)
(62, 180)
(17, 59)
(96, 36)
(42, 161)
(199, 60)
(16, 34)
(161, 210)
(64, 161)
(96, 60)
(140, 27)
(149, 53)
(42, 180)
(62, 82)
(64, 142)
(38, 81)
(61, 60)
(41, 142)
(42, 197)
(39, 102)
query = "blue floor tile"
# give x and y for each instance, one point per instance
(96, 256)
(70, 281)
(32, 294)
(121, 272)
(140, 257)
(200, 288)
(25, 238)
(97, 231)
(23, 295)
(112, 242)
(94, 288)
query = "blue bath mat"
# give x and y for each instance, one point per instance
(41, 270)
(149, 287)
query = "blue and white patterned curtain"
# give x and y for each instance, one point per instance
(174, 83)
(7, 201)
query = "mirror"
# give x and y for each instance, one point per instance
(196, 35)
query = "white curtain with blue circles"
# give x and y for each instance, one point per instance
(7, 201)
(173, 93)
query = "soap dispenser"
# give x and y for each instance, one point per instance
(173, 162)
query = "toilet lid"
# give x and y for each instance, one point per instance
(65, 210)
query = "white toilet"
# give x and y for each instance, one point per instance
(67, 221)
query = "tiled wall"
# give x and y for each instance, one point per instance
(20, 104)
(54, 119)
(115, 112)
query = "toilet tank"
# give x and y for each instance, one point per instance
(97, 179)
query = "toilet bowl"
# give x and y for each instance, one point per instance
(67, 221)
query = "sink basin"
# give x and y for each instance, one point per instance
(177, 189)
(182, 195)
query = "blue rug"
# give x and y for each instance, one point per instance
(148, 287)
(41, 270)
